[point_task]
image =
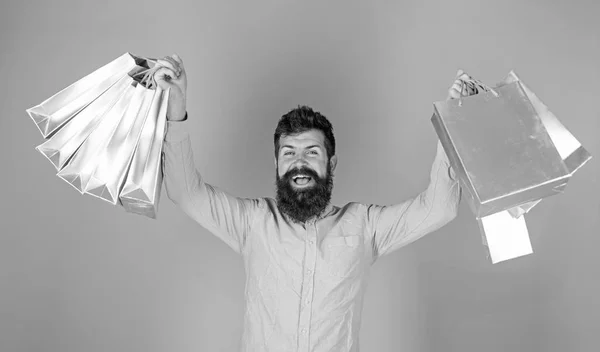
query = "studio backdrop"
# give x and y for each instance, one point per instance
(79, 274)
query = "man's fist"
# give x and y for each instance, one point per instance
(172, 75)
(462, 86)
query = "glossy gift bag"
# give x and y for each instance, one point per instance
(57, 110)
(100, 124)
(508, 153)
(142, 188)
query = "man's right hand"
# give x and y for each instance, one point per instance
(465, 86)
(172, 75)
(459, 88)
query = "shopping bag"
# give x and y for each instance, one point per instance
(57, 110)
(505, 236)
(105, 133)
(499, 149)
(80, 168)
(573, 154)
(516, 148)
(65, 142)
(109, 174)
(143, 185)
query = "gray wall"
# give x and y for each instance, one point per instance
(77, 274)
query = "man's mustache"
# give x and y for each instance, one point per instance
(302, 171)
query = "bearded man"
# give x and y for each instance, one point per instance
(306, 260)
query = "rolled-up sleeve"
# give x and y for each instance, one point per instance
(226, 216)
(394, 226)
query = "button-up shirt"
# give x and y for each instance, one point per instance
(305, 283)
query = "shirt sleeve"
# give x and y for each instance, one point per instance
(225, 216)
(394, 226)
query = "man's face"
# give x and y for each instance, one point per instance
(304, 177)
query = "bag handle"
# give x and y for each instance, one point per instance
(474, 86)
(148, 74)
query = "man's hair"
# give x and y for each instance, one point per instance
(300, 120)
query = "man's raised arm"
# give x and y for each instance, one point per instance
(226, 216)
(395, 226)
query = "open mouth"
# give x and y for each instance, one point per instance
(301, 180)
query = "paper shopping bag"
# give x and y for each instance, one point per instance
(505, 236)
(64, 143)
(107, 178)
(141, 192)
(105, 132)
(573, 154)
(57, 110)
(499, 149)
(520, 163)
(80, 168)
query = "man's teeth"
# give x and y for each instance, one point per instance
(301, 180)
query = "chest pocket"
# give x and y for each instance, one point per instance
(343, 255)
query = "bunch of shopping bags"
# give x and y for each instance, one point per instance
(104, 133)
(508, 151)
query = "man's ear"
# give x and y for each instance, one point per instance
(333, 162)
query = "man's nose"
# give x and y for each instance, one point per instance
(300, 159)
(300, 163)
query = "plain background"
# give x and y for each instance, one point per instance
(77, 274)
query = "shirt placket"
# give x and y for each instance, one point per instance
(307, 287)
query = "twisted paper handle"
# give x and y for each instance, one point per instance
(147, 79)
(472, 86)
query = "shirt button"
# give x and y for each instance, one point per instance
(309, 271)
(307, 301)
(311, 241)
(304, 331)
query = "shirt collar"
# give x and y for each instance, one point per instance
(324, 214)
(327, 211)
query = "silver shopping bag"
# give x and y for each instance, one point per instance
(80, 168)
(141, 192)
(66, 141)
(573, 154)
(106, 126)
(509, 152)
(499, 149)
(57, 110)
(109, 174)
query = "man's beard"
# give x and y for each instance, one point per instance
(301, 204)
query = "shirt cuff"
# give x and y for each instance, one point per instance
(177, 131)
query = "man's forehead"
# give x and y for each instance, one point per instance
(312, 136)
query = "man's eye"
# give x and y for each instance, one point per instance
(312, 151)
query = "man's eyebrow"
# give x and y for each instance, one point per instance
(310, 146)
